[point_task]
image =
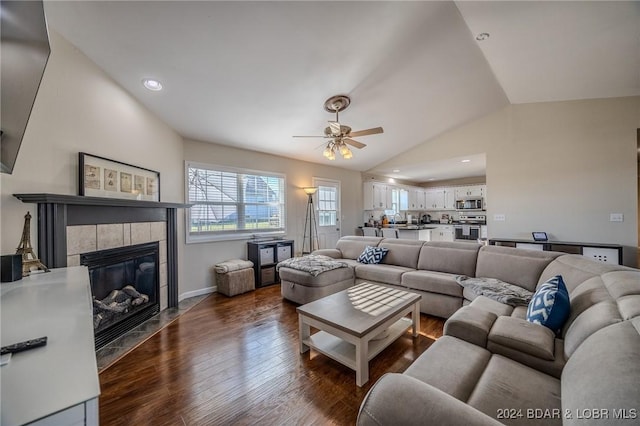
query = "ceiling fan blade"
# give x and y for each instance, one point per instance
(335, 128)
(353, 143)
(373, 131)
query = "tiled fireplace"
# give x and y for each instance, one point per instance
(70, 228)
(82, 239)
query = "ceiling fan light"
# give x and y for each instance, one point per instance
(347, 155)
(343, 149)
(331, 156)
(327, 152)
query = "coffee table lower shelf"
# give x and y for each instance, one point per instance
(345, 352)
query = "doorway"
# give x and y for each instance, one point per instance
(327, 203)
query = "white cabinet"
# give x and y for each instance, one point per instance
(470, 191)
(377, 196)
(443, 233)
(449, 199)
(404, 199)
(415, 234)
(435, 199)
(416, 199)
(56, 384)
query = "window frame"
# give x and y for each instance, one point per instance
(247, 234)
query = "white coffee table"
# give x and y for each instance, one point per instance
(357, 324)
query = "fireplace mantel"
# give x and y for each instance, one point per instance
(95, 201)
(57, 211)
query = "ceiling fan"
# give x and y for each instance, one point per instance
(341, 135)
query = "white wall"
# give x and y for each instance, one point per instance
(200, 258)
(559, 167)
(79, 108)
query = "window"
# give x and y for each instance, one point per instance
(327, 206)
(232, 203)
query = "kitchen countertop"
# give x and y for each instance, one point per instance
(422, 226)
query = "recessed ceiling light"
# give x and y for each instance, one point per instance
(396, 170)
(465, 161)
(152, 84)
(482, 36)
(432, 178)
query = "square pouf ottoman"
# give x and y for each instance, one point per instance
(235, 277)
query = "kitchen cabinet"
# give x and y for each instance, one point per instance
(470, 191)
(265, 255)
(449, 199)
(443, 233)
(415, 234)
(404, 199)
(416, 199)
(435, 199)
(377, 196)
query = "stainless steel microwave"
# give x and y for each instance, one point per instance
(469, 204)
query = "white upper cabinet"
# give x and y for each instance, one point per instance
(416, 199)
(449, 199)
(470, 191)
(404, 199)
(435, 199)
(377, 196)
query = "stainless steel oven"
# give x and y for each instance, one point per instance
(467, 232)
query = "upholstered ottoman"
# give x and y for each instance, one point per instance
(235, 277)
(303, 287)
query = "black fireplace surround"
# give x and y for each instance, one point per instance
(125, 285)
(56, 212)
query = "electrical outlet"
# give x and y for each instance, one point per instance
(616, 217)
(499, 217)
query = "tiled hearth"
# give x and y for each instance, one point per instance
(90, 238)
(122, 345)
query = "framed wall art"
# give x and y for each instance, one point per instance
(102, 177)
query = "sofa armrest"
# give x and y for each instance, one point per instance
(398, 399)
(470, 324)
(523, 336)
(334, 253)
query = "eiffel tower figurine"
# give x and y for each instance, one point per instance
(26, 250)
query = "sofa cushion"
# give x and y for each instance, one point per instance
(324, 279)
(433, 282)
(486, 304)
(451, 365)
(588, 322)
(523, 336)
(352, 246)
(550, 305)
(402, 252)
(497, 290)
(516, 266)
(388, 274)
(576, 269)
(451, 257)
(604, 373)
(507, 384)
(372, 255)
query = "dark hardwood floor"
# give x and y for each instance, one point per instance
(235, 361)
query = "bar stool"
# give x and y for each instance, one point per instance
(369, 231)
(389, 232)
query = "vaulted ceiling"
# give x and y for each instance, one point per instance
(253, 74)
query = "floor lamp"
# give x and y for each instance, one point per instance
(310, 227)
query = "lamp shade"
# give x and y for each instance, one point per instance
(310, 190)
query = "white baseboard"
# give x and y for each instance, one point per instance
(195, 293)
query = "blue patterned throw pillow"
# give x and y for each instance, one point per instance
(550, 304)
(372, 254)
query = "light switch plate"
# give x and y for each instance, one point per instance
(499, 217)
(616, 217)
